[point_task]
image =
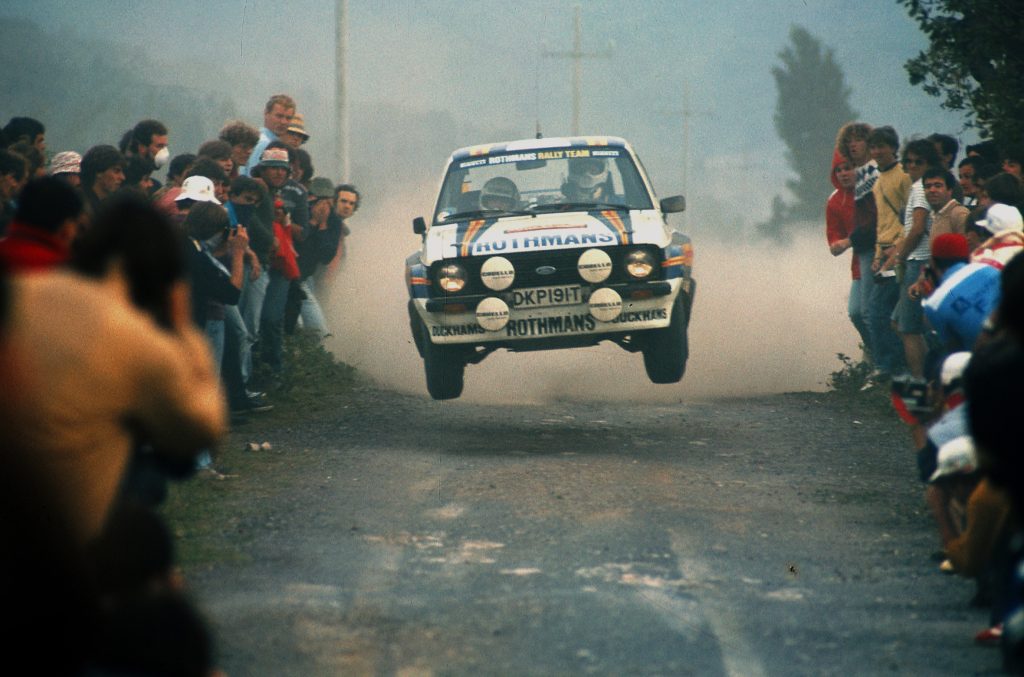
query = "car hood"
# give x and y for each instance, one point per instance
(597, 228)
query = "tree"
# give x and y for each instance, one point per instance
(813, 103)
(975, 61)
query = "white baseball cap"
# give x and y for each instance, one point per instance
(953, 366)
(198, 188)
(956, 457)
(1000, 218)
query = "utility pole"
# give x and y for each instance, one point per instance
(341, 90)
(577, 55)
(686, 113)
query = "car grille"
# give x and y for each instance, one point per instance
(562, 260)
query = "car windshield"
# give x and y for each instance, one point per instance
(539, 181)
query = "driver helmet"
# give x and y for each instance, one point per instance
(499, 193)
(588, 173)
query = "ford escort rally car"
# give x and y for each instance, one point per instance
(548, 243)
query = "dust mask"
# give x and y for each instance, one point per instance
(160, 159)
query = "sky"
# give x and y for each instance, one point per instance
(483, 64)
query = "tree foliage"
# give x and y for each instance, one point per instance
(975, 61)
(813, 103)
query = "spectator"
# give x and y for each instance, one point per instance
(245, 195)
(295, 134)
(102, 175)
(947, 215)
(839, 225)
(13, 174)
(888, 196)
(179, 168)
(44, 226)
(220, 152)
(148, 139)
(67, 166)
(33, 156)
(214, 285)
(165, 196)
(316, 250)
(136, 372)
(947, 148)
(302, 167)
(138, 175)
(277, 114)
(969, 180)
(965, 294)
(347, 200)
(242, 138)
(1002, 188)
(911, 250)
(274, 169)
(215, 173)
(1013, 158)
(28, 130)
(195, 190)
(946, 499)
(994, 384)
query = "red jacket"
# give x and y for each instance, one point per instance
(839, 213)
(27, 248)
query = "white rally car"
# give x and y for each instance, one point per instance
(548, 243)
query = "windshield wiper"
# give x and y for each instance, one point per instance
(579, 206)
(477, 213)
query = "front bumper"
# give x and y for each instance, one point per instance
(462, 319)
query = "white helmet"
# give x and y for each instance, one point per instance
(588, 173)
(499, 189)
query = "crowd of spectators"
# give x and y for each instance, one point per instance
(937, 298)
(137, 317)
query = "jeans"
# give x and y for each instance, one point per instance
(236, 325)
(855, 309)
(272, 321)
(215, 335)
(885, 344)
(311, 313)
(250, 304)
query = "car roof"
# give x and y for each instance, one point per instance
(539, 144)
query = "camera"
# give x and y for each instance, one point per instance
(914, 394)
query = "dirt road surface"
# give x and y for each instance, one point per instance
(783, 535)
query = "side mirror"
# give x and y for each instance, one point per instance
(674, 204)
(419, 226)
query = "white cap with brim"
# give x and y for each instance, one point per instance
(953, 366)
(1000, 218)
(956, 457)
(198, 188)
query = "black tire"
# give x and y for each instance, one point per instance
(416, 327)
(666, 350)
(445, 367)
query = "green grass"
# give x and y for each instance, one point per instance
(215, 520)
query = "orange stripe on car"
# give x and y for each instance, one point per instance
(616, 221)
(471, 232)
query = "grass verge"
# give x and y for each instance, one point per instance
(215, 519)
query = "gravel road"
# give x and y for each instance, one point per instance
(783, 535)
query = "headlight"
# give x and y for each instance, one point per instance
(451, 277)
(640, 263)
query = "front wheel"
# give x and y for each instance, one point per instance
(445, 367)
(666, 350)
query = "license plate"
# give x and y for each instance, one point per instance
(543, 297)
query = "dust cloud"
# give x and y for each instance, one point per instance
(765, 320)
